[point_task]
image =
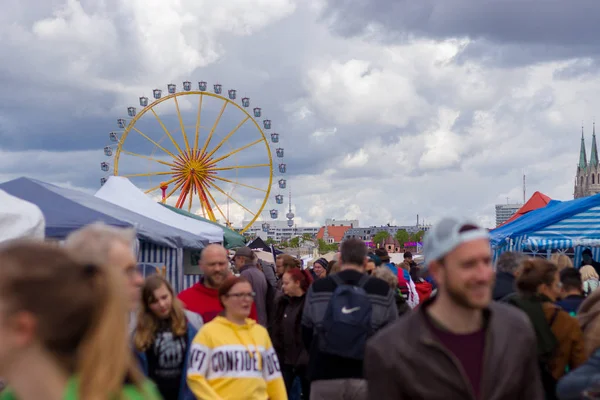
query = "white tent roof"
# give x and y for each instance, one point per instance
(120, 191)
(19, 218)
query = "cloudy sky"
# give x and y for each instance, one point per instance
(386, 109)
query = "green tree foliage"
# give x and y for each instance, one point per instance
(270, 241)
(307, 236)
(402, 237)
(295, 242)
(380, 237)
(417, 237)
(325, 247)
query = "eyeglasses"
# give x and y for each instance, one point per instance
(238, 296)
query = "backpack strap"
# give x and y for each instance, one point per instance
(363, 281)
(338, 281)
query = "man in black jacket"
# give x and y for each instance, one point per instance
(334, 377)
(506, 267)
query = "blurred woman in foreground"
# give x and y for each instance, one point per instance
(64, 329)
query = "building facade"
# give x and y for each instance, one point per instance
(279, 230)
(587, 179)
(342, 222)
(366, 234)
(505, 211)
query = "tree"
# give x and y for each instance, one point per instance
(402, 237)
(307, 237)
(295, 242)
(379, 237)
(418, 237)
(284, 244)
(270, 241)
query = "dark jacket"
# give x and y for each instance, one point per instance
(401, 303)
(287, 332)
(571, 303)
(324, 366)
(184, 391)
(572, 386)
(505, 285)
(260, 286)
(407, 361)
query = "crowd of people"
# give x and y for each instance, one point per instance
(79, 321)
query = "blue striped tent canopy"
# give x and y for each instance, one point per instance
(559, 225)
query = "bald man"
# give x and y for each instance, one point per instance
(203, 297)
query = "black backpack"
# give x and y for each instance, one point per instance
(346, 325)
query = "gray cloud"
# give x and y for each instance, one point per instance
(374, 129)
(513, 32)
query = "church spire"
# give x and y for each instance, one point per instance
(594, 156)
(582, 152)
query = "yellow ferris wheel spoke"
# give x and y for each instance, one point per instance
(212, 130)
(226, 138)
(185, 139)
(153, 142)
(230, 198)
(148, 174)
(237, 183)
(167, 132)
(217, 205)
(257, 141)
(148, 158)
(161, 184)
(198, 123)
(239, 167)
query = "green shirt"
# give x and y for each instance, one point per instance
(130, 392)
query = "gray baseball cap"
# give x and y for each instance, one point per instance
(448, 234)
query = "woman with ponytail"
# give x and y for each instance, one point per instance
(163, 339)
(559, 339)
(63, 329)
(287, 329)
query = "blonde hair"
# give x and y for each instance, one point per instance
(147, 324)
(561, 260)
(92, 243)
(80, 311)
(385, 274)
(588, 272)
(334, 267)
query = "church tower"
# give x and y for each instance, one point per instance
(587, 181)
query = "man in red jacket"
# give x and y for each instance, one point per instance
(203, 297)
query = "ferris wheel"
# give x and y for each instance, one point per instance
(202, 149)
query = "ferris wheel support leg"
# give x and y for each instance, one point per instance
(207, 192)
(203, 199)
(183, 194)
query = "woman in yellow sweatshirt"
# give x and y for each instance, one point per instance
(232, 356)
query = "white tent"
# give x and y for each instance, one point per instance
(120, 191)
(19, 218)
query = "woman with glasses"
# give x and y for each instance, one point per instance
(232, 356)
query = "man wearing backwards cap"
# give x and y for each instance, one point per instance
(458, 344)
